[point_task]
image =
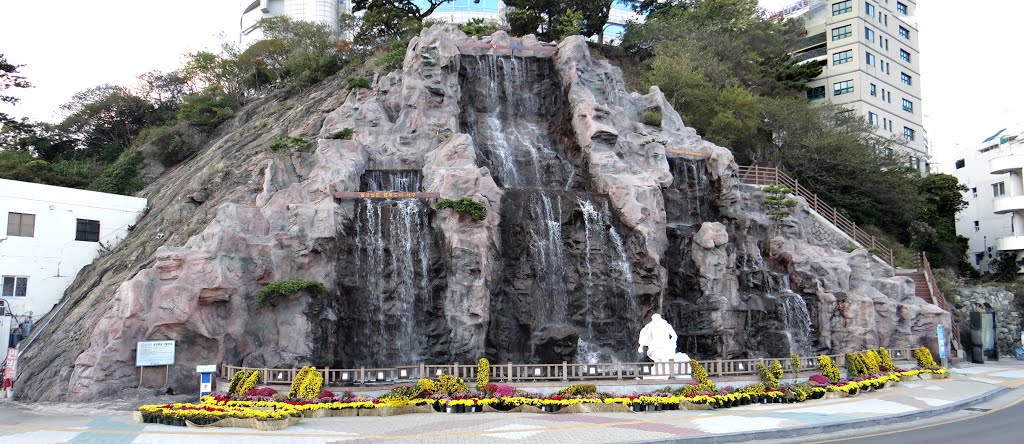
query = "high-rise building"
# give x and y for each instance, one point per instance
(317, 11)
(993, 221)
(868, 50)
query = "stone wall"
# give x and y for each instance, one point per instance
(1007, 310)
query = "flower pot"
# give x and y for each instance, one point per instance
(449, 409)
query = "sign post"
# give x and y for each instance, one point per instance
(205, 379)
(940, 332)
(154, 354)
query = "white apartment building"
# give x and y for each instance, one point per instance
(868, 50)
(317, 11)
(993, 221)
(52, 232)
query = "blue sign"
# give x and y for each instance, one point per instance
(941, 333)
(205, 384)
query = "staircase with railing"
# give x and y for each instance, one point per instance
(925, 286)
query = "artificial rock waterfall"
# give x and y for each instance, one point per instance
(591, 227)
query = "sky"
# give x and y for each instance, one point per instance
(969, 68)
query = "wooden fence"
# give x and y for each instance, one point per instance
(564, 372)
(759, 175)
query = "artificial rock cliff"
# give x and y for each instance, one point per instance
(591, 227)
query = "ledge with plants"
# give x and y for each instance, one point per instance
(246, 405)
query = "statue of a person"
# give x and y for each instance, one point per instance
(660, 339)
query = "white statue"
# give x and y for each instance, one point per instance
(660, 339)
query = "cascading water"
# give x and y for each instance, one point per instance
(393, 257)
(566, 291)
(797, 320)
(510, 106)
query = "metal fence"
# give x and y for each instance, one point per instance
(564, 372)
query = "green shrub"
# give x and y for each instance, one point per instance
(280, 289)
(208, 108)
(885, 360)
(479, 27)
(393, 59)
(343, 134)
(767, 377)
(290, 142)
(483, 374)
(121, 177)
(652, 117)
(464, 205)
(356, 82)
(794, 362)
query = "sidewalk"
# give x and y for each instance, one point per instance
(912, 399)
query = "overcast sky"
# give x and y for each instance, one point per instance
(969, 63)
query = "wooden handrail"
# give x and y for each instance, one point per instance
(760, 175)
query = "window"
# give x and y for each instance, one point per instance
(960, 164)
(842, 32)
(905, 78)
(977, 227)
(872, 118)
(14, 286)
(999, 189)
(888, 96)
(20, 224)
(873, 89)
(905, 33)
(901, 8)
(842, 57)
(869, 59)
(886, 46)
(869, 9)
(908, 106)
(915, 163)
(87, 230)
(904, 55)
(978, 257)
(816, 93)
(844, 87)
(869, 34)
(908, 134)
(842, 7)
(887, 67)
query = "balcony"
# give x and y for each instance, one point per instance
(1005, 163)
(1010, 243)
(1003, 205)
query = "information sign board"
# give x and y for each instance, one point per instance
(153, 353)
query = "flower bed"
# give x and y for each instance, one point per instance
(265, 409)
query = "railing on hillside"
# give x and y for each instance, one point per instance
(938, 298)
(759, 175)
(564, 372)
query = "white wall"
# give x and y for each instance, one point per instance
(975, 175)
(52, 257)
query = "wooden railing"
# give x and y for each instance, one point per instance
(759, 175)
(564, 372)
(938, 298)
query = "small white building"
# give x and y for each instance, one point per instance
(993, 221)
(52, 232)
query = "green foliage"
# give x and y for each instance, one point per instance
(208, 108)
(483, 374)
(392, 59)
(523, 21)
(1005, 267)
(776, 202)
(924, 358)
(558, 19)
(171, 144)
(700, 374)
(828, 369)
(569, 24)
(309, 53)
(288, 143)
(768, 377)
(464, 205)
(854, 365)
(479, 27)
(282, 289)
(578, 390)
(121, 177)
(356, 82)
(652, 117)
(342, 134)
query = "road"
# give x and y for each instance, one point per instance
(984, 424)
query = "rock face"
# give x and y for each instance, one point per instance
(1007, 308)
(590, 228)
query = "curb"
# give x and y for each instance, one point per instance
(796, 432)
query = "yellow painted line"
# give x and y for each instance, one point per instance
(678, 151)
(952, 421)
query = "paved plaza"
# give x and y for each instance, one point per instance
(912, 399)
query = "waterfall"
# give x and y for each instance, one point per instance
(690, 192)
(797, 320)
(393, 257)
